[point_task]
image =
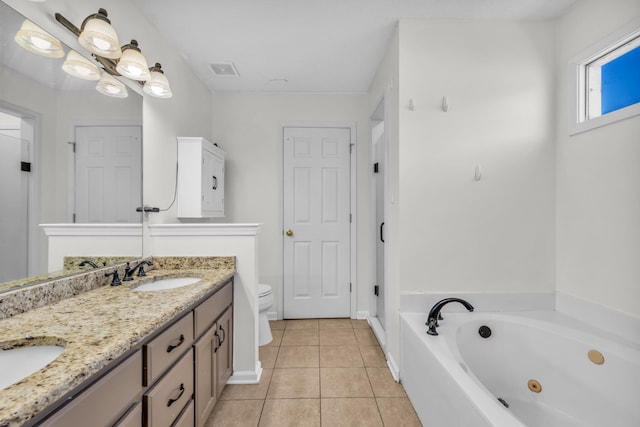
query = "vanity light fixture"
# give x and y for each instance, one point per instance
(98, 36)
(79, 66)
(132, 63)
(110, 86)
(38, 41)
(157, 85)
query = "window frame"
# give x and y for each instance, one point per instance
(579, 120)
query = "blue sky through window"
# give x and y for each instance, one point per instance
(620, 84)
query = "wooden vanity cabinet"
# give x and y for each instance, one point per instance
(173, 379)
(213, 351)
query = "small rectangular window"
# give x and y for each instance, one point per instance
(607, 86)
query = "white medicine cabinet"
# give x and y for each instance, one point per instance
(200, 178)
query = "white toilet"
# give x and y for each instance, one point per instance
(265, 301)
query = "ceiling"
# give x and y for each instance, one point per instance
(320, 46)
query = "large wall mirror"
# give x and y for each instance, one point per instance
(68, 154)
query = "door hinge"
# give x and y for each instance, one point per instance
(25, 166)
(376, 167)
(73, 218)
(350, 287)
(376, 290)
(350, 148)
(350, 218)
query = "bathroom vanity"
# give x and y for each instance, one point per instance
(131, 358)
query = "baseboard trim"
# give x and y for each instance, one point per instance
(393, 367)
(362, 315)
(247, 377)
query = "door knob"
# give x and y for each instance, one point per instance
(289, 233)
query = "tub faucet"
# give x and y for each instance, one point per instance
(434, 313)
(128, 271)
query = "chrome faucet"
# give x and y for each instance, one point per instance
(129, 272)
(434, 313)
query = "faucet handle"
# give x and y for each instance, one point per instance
(116, 278)
(432, 323)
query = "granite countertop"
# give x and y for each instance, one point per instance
(97, 327)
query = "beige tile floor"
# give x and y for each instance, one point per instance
(318, 372)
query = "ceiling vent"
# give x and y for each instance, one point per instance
(224, 69)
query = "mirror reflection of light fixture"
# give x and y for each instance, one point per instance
(36, 40)
(110, 86)
(132, 63)
(157, 85)
(79, 66)
(99, 37)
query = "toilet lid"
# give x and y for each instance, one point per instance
(263, 290)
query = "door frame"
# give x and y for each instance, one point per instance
(352, 205)
(34, 240)
(71, 176)
(377, 115)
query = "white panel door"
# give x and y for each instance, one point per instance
(108, 174)
(316, 196)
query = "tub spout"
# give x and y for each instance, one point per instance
(434, 313)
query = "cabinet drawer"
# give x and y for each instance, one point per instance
(106, 400)
(212, 308)
(133, 418)
(164, 402)
(163, 350)
(186, 419)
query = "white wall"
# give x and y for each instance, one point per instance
(446, 231)
(598, 197)
(457, 233)
(247, 128)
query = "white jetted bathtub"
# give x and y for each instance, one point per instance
(534, 369)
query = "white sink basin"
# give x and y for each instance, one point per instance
(169, 283)
(19, 363)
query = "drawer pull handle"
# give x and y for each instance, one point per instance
(172, 347)
(224, 335)
(172, 401)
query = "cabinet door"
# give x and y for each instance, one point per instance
(224, 355)
(209, 180)
(205, 374)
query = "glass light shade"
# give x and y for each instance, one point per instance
(132, 64)
(158, 85)
(110, 86)
(36, 40)
(99, 37)
(79, 66)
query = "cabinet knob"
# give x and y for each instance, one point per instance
(289, 233)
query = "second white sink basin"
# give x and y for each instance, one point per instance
(20, 362)
(169, 283)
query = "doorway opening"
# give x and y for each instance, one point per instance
(18, 210)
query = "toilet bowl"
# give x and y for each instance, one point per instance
(265, 301)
